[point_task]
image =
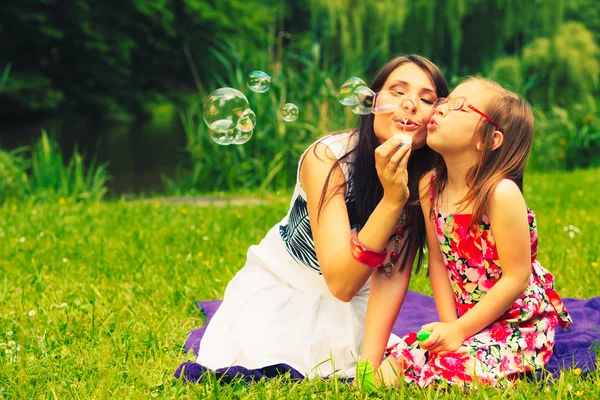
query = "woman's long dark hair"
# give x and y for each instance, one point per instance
(367, 186)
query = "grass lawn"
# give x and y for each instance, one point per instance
(96, 300)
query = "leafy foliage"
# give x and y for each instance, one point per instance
(13, 177)
(110, 58)
(41, 174)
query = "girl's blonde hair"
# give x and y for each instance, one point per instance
(515, 120)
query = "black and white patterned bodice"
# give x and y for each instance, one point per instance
(295, 229)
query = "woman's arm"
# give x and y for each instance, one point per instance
(508, 217)
(438, 274)
(385, 300)
(331, 226)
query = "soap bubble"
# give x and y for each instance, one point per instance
(241, 137)
(365, 106)
(289, 112)
(223, 138)
(348, 95)
(258, 81)
(224, 108)
(247, 121)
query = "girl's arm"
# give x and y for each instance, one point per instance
(438, 274)
(385, 300)
(330, 225)
(508, 217)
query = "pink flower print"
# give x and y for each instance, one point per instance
(518, 359)
(489, 238)
(480, 355)
(475, 232)
(512, 315)
(506, 364)
(451, 365)
(475, 274)
(489, 251)
(546, 353)
(492, 361)
(439, 231)
(406, 354)
(534, 237)
(451, 266)
(485, 219)
(494, 269)
(419, 358)
(467, 248)
(410, 338)
(534, 247)
(427, 376)
(531, 341)
(500, 334)
(486, 284)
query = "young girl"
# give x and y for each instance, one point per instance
(497, 305)
(301, 298)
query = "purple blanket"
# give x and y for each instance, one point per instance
(573, 349)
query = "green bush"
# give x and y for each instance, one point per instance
(565, 65)
(51, 178)
(269, 160)
(13, 177)
(567, 138)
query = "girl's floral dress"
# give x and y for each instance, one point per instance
(521, 340)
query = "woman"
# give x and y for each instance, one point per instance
(301, 298)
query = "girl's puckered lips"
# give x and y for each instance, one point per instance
(431, 124)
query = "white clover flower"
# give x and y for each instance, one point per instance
(31, 313)
(571, 230)
(22, 240)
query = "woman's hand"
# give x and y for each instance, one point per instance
(445, 337)
(391, 162)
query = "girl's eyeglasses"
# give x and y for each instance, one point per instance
(457, 104)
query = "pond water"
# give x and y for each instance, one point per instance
(138, 154)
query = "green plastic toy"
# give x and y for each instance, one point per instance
(423, 335)
(365, 375)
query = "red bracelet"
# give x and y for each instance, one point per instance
(370, 258)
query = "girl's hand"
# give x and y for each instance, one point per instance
(391, 162)
(446, 337)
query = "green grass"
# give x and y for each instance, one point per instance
(98, 298)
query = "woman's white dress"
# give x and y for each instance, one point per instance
(278, 309)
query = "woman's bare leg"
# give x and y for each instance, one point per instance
(389, 372)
